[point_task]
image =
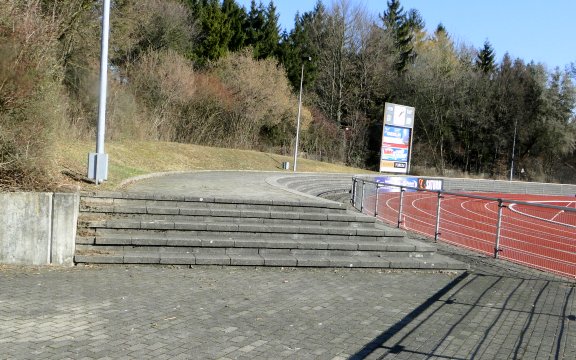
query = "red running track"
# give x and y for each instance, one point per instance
(539, 237)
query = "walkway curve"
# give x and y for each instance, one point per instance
(231, 184)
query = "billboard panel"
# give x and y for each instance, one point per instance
(396, 138)
(409, 181)
(395, 152)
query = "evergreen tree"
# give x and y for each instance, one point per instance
(215, 31)
(254, 25)
(441, 31)
(485, 59)
(305, 39)
(415, 21)
(236, 18)
(290, 50)
(401, 28)
(268, 44)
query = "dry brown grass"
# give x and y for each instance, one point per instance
(129, 159)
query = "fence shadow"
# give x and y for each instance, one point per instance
(483, 316)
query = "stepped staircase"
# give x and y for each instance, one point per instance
(132, 228)
(333, 187)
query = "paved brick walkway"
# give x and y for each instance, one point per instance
(495, 311)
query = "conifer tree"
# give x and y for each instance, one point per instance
(262, 30)
(215, 30)
(415, 20)
(268, 45)
(399, 25)
(236, 18)
(254, 24)
(303, 40)
(440, 29)
(485, 59)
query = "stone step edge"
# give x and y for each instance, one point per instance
(229, 213)
(320, 203)
(240, 228)
(403, 246)
(178, 235)
(86, 219)
(158, 251)
(99, 206)
(437, 262)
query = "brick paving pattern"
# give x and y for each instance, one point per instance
(494, 311)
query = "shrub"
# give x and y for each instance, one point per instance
(32, 108)
(264, 107)
(323, 140)
(164, 83)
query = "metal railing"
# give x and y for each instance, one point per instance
(519, 229)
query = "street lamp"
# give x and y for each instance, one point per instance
(513, 150)
(98, 162)
(304, 59)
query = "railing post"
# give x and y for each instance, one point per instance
(498, 227)
(400, 207)
(362, 198)
(376, 202)
(438, 207)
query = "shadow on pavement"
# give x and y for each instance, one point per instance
(484, 316)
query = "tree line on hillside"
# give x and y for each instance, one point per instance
(212, 72)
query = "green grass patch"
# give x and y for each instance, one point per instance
(130, 159)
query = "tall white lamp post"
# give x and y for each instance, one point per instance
(304, 59)
(513, 150)
(98, 162)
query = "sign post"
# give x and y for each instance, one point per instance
(397, 134)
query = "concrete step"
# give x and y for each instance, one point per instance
(102, 201)
(391, 234)
(224, 229)
(293, 260)
(316, 185)
(159, 250)
(165, 242)
(227, 215)
(130, 228)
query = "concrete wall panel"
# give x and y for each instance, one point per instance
(25, 228)
(38, 228)
(64, 224)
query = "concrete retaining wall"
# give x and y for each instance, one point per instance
(38, 228)
(509, 187)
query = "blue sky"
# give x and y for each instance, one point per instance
(542, 31)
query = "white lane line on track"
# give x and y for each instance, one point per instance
(520, 231)
(559, 233)
(525, 227)
(471, 234)
(462, 224)
(551, 221)
(513, 229)
(558, 214)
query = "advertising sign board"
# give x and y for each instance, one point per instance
(408, 181)
(396, 138)
(395, 153)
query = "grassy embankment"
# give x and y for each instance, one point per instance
(130, 159)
